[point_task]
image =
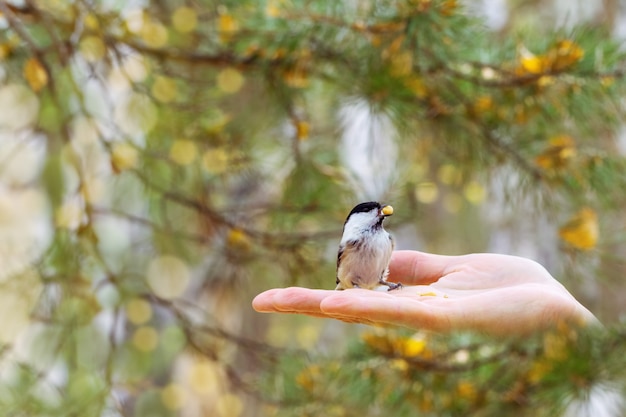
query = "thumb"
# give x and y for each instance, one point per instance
(418, 268)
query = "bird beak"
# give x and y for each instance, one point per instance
(387, 211)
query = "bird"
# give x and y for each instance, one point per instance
(365, 248)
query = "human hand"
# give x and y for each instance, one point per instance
(491, 293)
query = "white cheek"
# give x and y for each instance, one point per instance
(357, 226)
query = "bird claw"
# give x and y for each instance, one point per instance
(392, 285)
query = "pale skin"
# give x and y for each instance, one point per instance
(500, 295)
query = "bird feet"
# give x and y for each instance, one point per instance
(391, 285)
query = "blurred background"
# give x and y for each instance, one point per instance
(162, 162)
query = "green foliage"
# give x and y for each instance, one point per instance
(452, 376)
(193, 158)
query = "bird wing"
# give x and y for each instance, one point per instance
(344, 249)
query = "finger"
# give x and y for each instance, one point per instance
(351, 320)
(290, 300)
(264, 302)
(413, 267)
(384, 308)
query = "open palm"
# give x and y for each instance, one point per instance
(491, 293)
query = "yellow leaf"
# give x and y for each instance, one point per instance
(69, 215)
(174, 396)
(401, 64)
(215, 161)
(217, 121)
(185, 19)
(483, 104)
(227, 25)
(378, 342)
(560, 151)
(581, 231)
(91, 22)
(555, 346)
(93, 189)
(278, 53)
(426, 192)
(92, 48)
(230, 80)
(138, 311)
(238, 239)
(164, 89)
(205, 377)
(565, 54)
(448, 7)
(606, 80)
(136, 114)
(474, 192)
(532, 64)
(302, 129)
(136, 68)
(375, 40)
(183, 152)
(395, 345)
(426, 401)
(449, 174)
(168, 276)
(412, 346)
(393, 48)
(562, 55)
(308, 377)
(272, 9)
(359, 26)
(5, 50)
(417, 86)
(545, 80)
(252, 51)
(466, 390)
(296, 77)
(540, 368)
(123, 157)
(399, 364)
(228, 405)
(154, 34)
(35, 74)
(145, 338)
(388, 27)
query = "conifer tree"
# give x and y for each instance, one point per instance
(162, 162)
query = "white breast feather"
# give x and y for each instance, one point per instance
(366, 262)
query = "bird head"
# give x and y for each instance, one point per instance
(368, 215)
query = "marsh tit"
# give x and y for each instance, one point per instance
(365, 248)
